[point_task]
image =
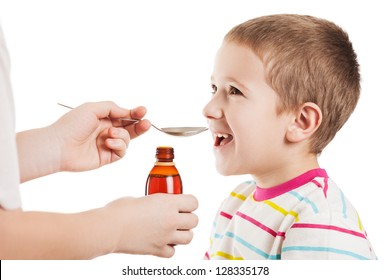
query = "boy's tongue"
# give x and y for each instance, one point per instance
(222, 140)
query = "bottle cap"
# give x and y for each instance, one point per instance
(164, 153)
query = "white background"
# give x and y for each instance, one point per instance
(160, 54)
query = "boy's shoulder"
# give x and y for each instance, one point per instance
(237, 197)
(244, 190)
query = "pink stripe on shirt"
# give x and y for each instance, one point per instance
(226, 215)
(329, 227)
(257, 223)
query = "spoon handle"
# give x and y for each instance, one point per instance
(121, 119)
(66, 106)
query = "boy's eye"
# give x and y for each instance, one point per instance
(234, 91)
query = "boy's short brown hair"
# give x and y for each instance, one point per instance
(306, 59)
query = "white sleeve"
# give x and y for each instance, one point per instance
(9, 168)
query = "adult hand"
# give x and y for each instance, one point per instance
(91, 135)
(151, 224)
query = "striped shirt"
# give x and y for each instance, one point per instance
(307, 217)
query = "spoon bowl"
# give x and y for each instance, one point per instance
(182, 131)
(174, 131)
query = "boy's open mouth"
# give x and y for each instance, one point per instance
(221, 139)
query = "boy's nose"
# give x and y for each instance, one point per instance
(213, 109)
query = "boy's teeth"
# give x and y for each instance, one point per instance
(223, 135)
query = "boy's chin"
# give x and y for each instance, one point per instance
(225, 171)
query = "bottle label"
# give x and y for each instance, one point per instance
(160, 163)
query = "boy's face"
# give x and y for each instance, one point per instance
(249, 135)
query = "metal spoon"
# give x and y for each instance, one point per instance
(175, 131)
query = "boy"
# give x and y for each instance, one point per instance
(283, 85)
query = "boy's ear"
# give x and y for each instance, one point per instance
(305, 122)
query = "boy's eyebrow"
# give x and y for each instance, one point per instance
(231, 79)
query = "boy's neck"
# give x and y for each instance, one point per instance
(286, 172)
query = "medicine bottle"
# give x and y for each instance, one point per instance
(164, 177)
